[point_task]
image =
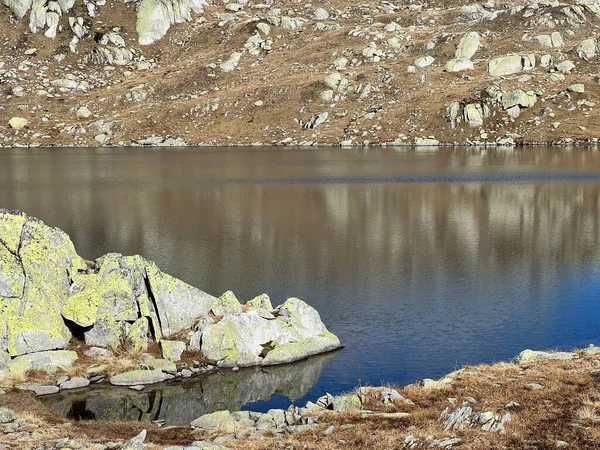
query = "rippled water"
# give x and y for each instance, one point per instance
(419, 261)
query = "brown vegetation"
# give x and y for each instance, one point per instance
(567, 408)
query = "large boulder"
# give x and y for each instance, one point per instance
(47, 292)
(155, 17)
(294, 333)
(468, 45)
(124, 289)
(510, 64)
(36, 265)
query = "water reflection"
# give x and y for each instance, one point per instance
(418, 261)
(181, 403)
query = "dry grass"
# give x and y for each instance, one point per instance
(123, 360)
(12, 379)
(567, 409)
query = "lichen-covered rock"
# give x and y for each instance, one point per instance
(346, 403)
(226, 304)
(137, 335)
(127, 299)
(247, 339)
(528, 356)
(587, 49)
(106, 332)
(469, 44)
(172, 350)
(48, 361)
(218, 420)
(45, 257)
(510, 64)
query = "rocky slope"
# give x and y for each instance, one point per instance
(175, 72)
(49, 295)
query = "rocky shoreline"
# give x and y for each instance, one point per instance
(67, 323)
(505, 405)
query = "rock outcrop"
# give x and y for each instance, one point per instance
(48, 292)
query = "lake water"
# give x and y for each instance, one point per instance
(419, 261)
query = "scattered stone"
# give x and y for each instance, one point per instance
(7, 415)
(74, 383)
(468, 46)
(424, 61)
(231, 64)
(511, 64)
(578, 88)
(321, 14)
(565, 67)
(83, 113)
(39, 389)
(137, 443)
(18, 123)
(140, 377)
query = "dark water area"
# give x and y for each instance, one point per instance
(419, 261)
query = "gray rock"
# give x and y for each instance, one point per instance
(468, 46)
(140, 377)
(587, 49)
(511, 64)
(219, 420)
(75, 383)
(38, 389)
(565, 67)
(49, 361)
(528, 356)
(226, 304)
(7, 415)
(424, 61)
(83, 113)
(172, 350)
(297, 332)
(231, 64)
(315, 121)
(458, 419)
(321, 14)
(137, 443)
(97, 352)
